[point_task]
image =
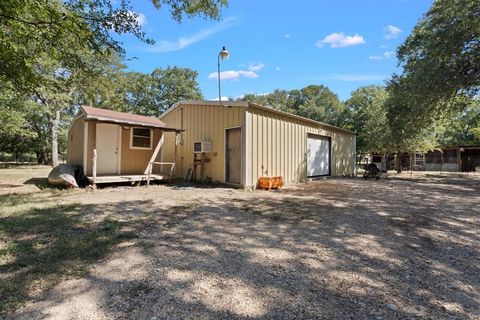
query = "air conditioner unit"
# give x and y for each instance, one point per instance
(202, 147)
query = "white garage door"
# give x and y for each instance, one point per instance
(318, 155)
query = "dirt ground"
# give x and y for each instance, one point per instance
(404, 247)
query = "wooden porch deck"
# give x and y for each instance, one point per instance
(127, 178)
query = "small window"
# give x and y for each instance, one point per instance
(141, 138)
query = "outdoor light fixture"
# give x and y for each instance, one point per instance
(221, 55)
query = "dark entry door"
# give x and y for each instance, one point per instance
(233, 155)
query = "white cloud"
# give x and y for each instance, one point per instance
(340, 40)
(287, 36)
(277, 68)
(256, 66)
(353, 77)
(251, 72)
(223, 99)
(233, 74)
(385, 55)
(389, 54)
(391, 32)
(183, 42)
(141, 19)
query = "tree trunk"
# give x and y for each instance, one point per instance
(55, 127)
(398, 163)
(39, 157)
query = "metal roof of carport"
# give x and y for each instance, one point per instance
(247, 104)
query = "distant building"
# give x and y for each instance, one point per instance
(454, 159)
(445, 158)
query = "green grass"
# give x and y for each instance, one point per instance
(43, 243)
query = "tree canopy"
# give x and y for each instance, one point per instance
(441, 73)
(55, 55)
(64, 30)
(368, 118)
(142, 93)
(463, 127)
(442, 54)
(316, 102)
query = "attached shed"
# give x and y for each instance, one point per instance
(453, 158)
(114, 146)
(239, 142)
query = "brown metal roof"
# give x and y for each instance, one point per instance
(111, 116)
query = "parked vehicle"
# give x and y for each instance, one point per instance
(371, 172)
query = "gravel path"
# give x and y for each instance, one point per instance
(400, 248)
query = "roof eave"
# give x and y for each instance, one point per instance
(243, 104)
(122, 122)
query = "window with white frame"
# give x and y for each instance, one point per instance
(141, 138)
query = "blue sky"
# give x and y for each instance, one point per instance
(343, 44)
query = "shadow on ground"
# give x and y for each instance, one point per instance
(44, 245)
(41, 183)
(336, 249)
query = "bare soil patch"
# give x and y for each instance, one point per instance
(405, 247)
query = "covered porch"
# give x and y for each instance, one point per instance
(123, 148)
(132, 178)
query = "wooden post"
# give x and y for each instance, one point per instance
(441, 165)
(175, 154)
(459, 159)
(411, 169)
(94, 167)
(155, 153)
(172, 170)
(150, 166)
(398, 163)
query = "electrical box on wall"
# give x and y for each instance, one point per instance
(202, 147)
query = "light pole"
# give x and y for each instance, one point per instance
(223, 54)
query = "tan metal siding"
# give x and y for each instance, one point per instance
(201, 123)
(75, 143)
(278, 144)
(90, 148)
(275, 144)
(343, 154)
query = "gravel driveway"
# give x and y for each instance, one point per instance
(401, 248)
